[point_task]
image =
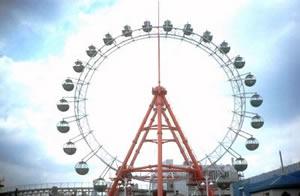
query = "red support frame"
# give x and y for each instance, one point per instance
(163, 115)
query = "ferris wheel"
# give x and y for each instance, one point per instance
(97, 55)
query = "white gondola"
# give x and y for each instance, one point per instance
(187, 29)
(63, 126)
(68, 85)
(100, 185)
(91, 52)
(207, 37)
(147, 27)
(252, 143)
(78, 67)
(240, 164)
(257, 122)
(224, 48)
(82, 168)
(127, 32)
(167, 26)
(108, 39)
(239, 62)
(250, 80)
(256, 100)
(63, 105)
(69, 148)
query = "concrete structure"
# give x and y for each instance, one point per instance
(183, 187)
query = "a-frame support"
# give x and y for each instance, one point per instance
(160, 112)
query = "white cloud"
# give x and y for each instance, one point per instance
(121, 91)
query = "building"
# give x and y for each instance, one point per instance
(280, 182)
(212, 175)
(171, 187)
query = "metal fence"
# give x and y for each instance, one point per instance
(62, 188)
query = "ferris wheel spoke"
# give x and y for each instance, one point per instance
(230, 150)
(214, 165)
(74, 99)
(80, 136)
(91, 154)
(251, 142)
(241, 133)
(105, 171)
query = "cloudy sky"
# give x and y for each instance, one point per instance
(40, 40)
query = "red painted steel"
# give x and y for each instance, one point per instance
(120, 173)
(159, 105)
(143, 140)
(160, 110)
(198, 169)
(176, 139)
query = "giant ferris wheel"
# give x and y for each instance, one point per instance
(159, 117)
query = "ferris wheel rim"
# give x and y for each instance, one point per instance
(103, 56)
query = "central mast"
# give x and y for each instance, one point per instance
(158, 44)
(159, 106)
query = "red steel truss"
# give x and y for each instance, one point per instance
(159, 112)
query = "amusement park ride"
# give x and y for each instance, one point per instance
(159, 117)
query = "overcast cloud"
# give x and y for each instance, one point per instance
(40, 40)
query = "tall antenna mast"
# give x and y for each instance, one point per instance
(281, 162)
(158, 43)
